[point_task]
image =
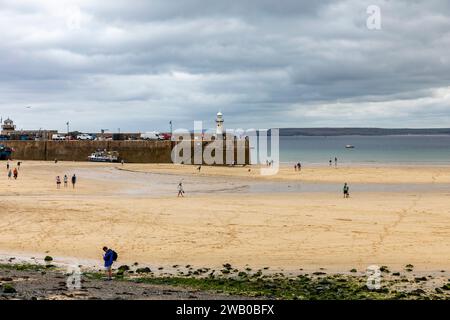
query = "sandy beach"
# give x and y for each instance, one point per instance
(396, 215)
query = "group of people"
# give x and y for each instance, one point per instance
(335, 162)
(13, 173)
(269, 163)
(66, 181)
(298, 166)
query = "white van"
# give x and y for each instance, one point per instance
(151, 136)
(58, 137)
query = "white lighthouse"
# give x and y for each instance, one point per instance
(219, 124)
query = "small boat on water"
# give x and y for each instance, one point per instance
(349, 146)
(5, 152)
(104, 156)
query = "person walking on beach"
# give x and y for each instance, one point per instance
(180, 190)
(18, 164)
(58, 182)
(9, 174)
(109, 257)
(66, 180)
(15, 173)
(7, 165)
(346, 191)
(74, 181)
(299, 166)
(331, 162)
(335, 161)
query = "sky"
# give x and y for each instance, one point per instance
(136, 65)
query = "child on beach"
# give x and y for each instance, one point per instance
(180, 190)
(66, 179)
(346, 190)
(9, 174)
(58, 182)
(15, 173)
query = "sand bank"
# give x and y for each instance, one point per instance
(280, 230)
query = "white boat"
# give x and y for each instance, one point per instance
(349, 146)
(104, 156)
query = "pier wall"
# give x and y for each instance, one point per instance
(149, 151)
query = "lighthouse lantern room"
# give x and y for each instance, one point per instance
(219, 124)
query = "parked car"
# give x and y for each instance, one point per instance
(58, 137)
(85, 136)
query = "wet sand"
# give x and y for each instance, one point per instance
(397, 215)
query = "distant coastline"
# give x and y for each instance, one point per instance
(360, 131)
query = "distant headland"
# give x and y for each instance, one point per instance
(361, 131)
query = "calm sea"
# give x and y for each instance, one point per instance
(411, 149)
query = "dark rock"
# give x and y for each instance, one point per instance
(7, 288)
(124, 268)
(439, 290)
(227, 266)
(144, 270)
(417, 292)
(6, 279)
(48, 259)
(384, 269)
(419, 279)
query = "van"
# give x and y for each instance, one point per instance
(58, 137)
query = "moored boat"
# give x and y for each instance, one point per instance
(104, 156)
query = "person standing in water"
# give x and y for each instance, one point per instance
(346, 191)
(74, 181)
(331, 162)
(335, 161)
(180, 190)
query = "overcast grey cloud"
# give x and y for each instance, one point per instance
(139, 64)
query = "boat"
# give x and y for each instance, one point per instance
(349, 146)
(5, 152)
(104, 156)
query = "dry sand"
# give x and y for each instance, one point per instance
(139, 215)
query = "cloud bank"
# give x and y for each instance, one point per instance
(136, 65)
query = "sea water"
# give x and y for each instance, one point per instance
(407, 149)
